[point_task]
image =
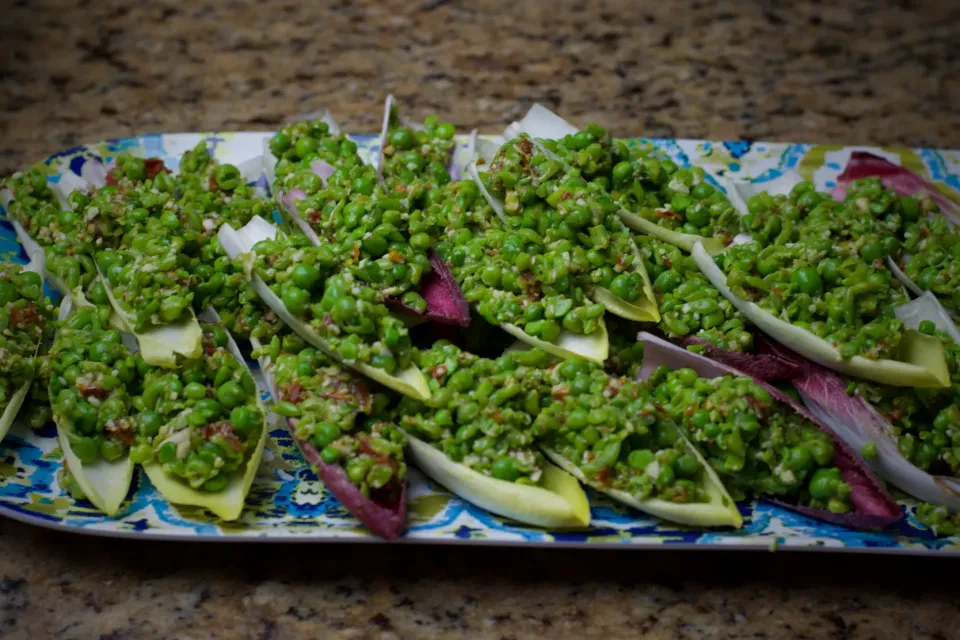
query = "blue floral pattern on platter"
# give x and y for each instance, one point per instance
(289, 503)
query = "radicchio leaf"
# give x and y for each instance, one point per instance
(769, 361)
(445, 301)
(874, 506)
(857, 422)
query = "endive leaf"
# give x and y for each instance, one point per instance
(104, 483)
(685, 241)
(719, 510)
(159, 345)
(558, 504)
(594, 347)
(923, 364)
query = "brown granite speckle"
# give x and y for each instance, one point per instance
(881, 72)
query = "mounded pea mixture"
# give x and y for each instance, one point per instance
(756, 445)
(612, 431)
(148, 231)
(200, 422)
(689, 304)
(350, 315)
(584, 240)
(92, 380)
(846, 301)
(480, 413)
(326, 405)
(416, 159)
(24, 315)
(655, 188)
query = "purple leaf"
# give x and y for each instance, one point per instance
(445, 301)
(769, 361)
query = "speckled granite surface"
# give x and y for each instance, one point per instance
(854, 72)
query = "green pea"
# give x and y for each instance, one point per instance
(167, 452)
(668, 281)
(279, 143)
(149, 423)
(305, 276)
(622, 286)
(640, 459)
(687, 377)
(85, 418)
(824, 483)
(100, 352)
(231, 394)
(799, 459)
(623, 171)
(446, 131)
(324, 434)
(807, 280)
(687, 465)
(700, 418)
(703, 190)
(111, 450)
(873, 251)
(330, 455)
(401, 139)
(505, 468)
(420, 241)
(295, 300)
(928, 327)
(461, 380)
(305, 146)
(208, 408)
(363, 185)
(244, 419)
(195, 391)
(680, 202)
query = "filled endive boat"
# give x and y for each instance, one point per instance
(385, 359)
(92, 380)
(920, 362)
(475, 436)
(609, 433)
(908, 433)
(762, 442)
(701, 214)
(384, 234)
(201, 429)
(575, 219)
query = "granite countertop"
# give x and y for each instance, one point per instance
(853, 72)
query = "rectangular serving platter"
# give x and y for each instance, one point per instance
(288, 503)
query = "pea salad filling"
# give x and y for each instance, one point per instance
(541, 245)
(200, 423)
